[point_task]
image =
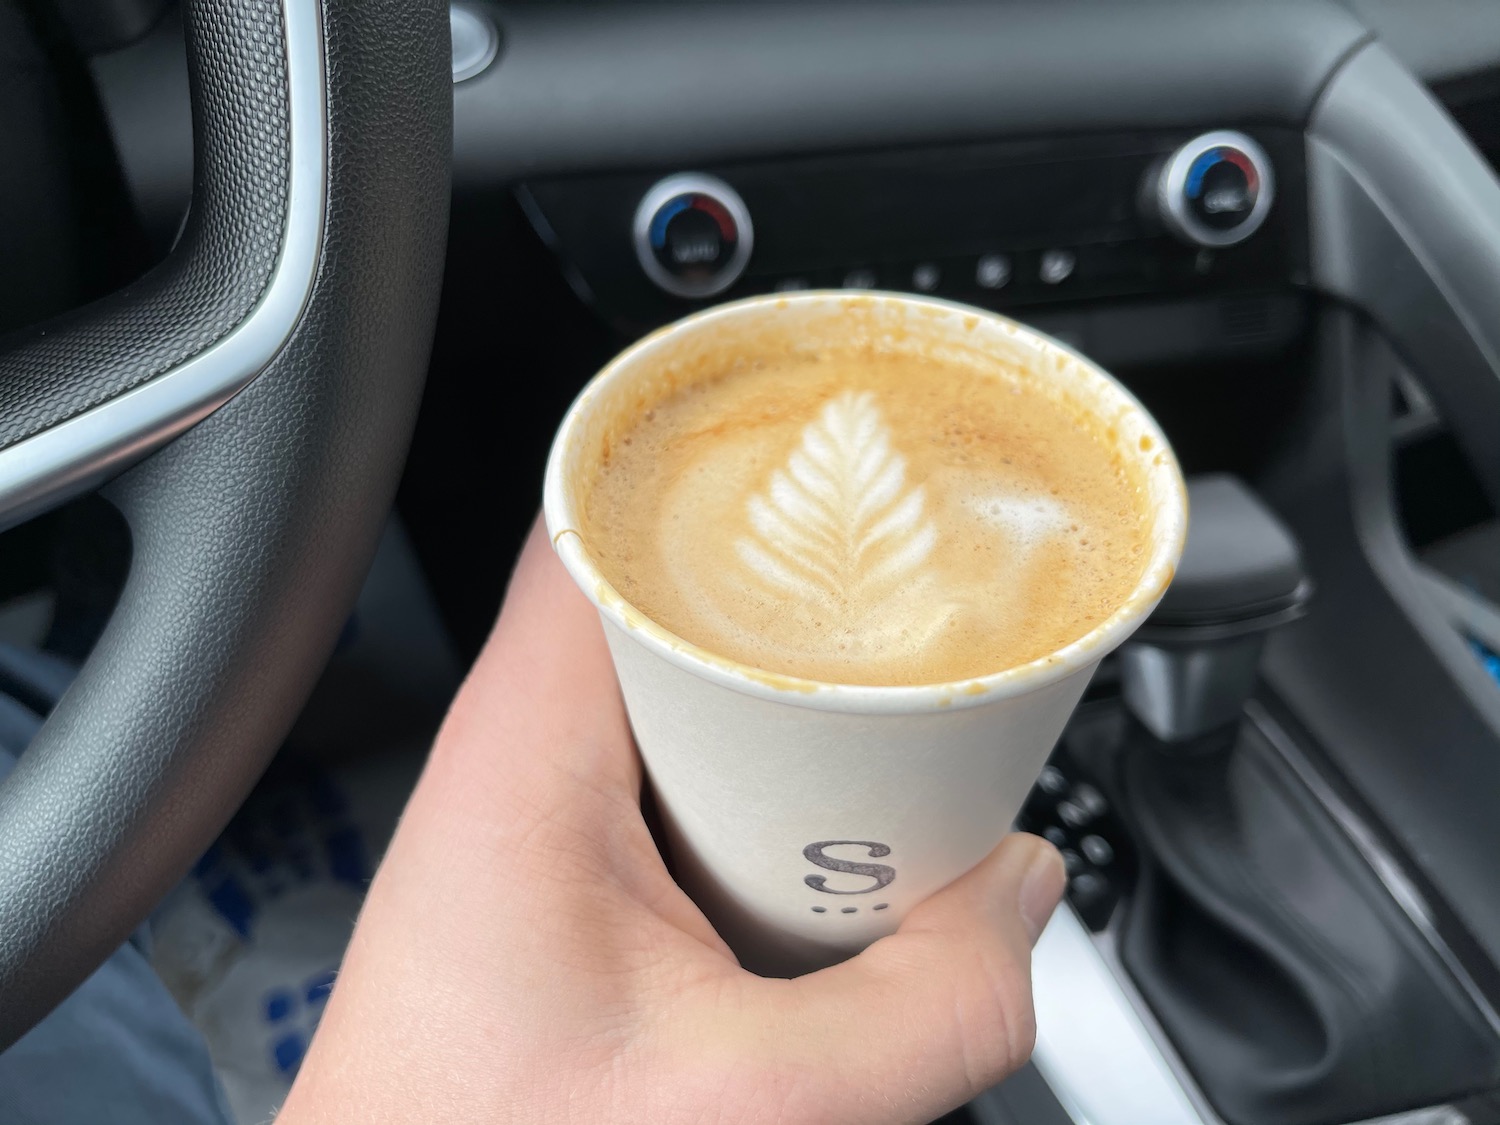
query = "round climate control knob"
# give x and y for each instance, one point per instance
(1216, 190)
(692, 235)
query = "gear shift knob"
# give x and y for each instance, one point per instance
(1192, 665)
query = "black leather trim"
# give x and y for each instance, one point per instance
(241, 124)
(251, 534)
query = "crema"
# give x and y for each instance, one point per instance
(867, 516)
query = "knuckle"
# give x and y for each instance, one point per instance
(999, 1019)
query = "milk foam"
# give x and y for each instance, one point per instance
(868, 519)
(1028, 520)
(838, 525)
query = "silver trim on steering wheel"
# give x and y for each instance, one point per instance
(71, 457)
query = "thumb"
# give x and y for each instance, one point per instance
(925, 1019)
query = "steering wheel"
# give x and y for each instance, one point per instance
(247, 407)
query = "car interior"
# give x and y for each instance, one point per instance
(290, 324)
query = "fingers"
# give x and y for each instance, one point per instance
(1012, 892)
(544, 687)
(927, 1018)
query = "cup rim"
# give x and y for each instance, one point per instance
(1169, 534)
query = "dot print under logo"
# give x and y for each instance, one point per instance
(851, 909)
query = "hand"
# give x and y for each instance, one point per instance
(524, 956)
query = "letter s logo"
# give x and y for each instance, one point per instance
(882, 874)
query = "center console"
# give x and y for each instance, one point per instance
(1287, 963)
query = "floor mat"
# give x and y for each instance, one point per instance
(249, 945)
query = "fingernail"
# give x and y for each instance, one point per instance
(1042, 889)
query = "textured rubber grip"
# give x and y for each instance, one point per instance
(220, 267)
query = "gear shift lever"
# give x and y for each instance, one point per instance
(1191, 667)
(1294, 987)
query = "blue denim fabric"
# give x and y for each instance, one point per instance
(118, 1051)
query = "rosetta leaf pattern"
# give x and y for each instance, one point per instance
(837, 523)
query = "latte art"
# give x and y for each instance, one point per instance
(838, 524)
(872, 517)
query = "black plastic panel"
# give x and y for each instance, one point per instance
(39, 257)
(1273, 955)
(1402, 709)
(945, 208)
(143, 91)
(1406, 227)
(630, 85)
(104, 25)
(1439, 40)
(1069, 810)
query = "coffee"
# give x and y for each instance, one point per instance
(866, 511)
(889, 497)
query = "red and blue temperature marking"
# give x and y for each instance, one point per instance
(1219, 155)
(691, 201)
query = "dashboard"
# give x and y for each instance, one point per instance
(1012, 155)
(1192, 223)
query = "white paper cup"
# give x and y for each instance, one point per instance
(806, 819)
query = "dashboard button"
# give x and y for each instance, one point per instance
(861, 278)
(1098, 850)
(1087, 888)
(692, 235)
(1216, 190)
(1091, 799)
(1073, 814)
(925, 277)
(992, 271)
(1057, 266)
(1052, 781)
